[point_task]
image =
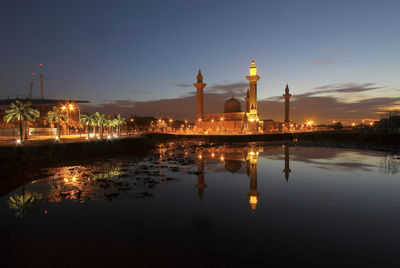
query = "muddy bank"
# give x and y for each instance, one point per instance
(18, 163)
(373, 141)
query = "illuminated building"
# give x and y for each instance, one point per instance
(233, 120)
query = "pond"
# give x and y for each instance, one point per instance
(200, 205)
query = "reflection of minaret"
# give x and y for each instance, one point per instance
(200, 178)
(287, 97)
(252, 173)
(287, 170)
(199, 95)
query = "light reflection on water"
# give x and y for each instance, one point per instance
(238, 198)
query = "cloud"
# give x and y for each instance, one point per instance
(345, 88)
(183, 85)
(322, 62)
(229, 88)
(321, 104)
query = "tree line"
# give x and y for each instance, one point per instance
(24, 112)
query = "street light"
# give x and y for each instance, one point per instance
(64, 108)
(199, 123)
(72, 107)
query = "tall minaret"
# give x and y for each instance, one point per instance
(199, 99)
(247, 99)
(287, 170)
(287, 97)
(253, 79)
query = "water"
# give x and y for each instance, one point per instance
(190, 205)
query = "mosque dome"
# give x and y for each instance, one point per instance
(232, 106)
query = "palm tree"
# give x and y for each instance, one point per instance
(119, 121)
(22, 112)
(111, 123)
(88, 120)
(57, 116)
(100, 121)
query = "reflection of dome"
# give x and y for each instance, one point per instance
(233, 166)
(232, 106)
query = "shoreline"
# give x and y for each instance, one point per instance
(20, 164)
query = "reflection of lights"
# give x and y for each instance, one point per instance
(253, 201)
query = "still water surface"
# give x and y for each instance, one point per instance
(190, 205)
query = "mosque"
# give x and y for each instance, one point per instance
(233, 159)
(233, 119)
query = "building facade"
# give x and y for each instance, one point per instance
(233, 120)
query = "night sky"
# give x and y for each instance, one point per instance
(340, 58)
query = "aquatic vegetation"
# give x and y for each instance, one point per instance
(24, 202)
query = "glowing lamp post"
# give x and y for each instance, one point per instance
(170, 124)
(200, 123)
(64, 108)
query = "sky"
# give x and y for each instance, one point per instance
(340, 58)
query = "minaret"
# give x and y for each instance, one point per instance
(287, 170)
(199, 99)
(252, 173)
(253, 79)
(247, 99)
(287, 97)
(200, 178)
